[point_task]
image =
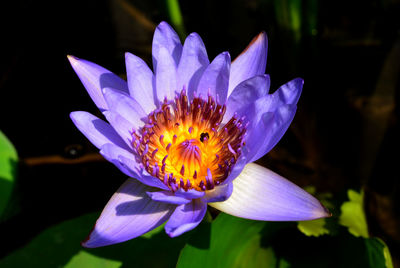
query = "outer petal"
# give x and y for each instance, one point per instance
(122, 126)
(125, 106)
(165, 79)
(272, 117)
(268, 132)
(185, 218)
(95, 78)
(113, 154)
(140, 82)
(168, 197)
(166, 37)
(96, 130)
(126, 162)
(215, 78)
(245, 94)
(290, 92)
(260, 194)
(251, 62)
(190, 194)
(219, 193)
(193, 62)
(129, 214)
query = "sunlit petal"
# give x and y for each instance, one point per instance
(251, 62)
(140, 82)
(129, 214)
(95, 78)
(260, 194)
(186, 217)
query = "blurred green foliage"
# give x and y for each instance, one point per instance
(353, 216)
(226, 241)
(8, 170)
(340, 59)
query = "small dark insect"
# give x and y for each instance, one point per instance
(203, 136)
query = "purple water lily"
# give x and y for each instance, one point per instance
(187, 134)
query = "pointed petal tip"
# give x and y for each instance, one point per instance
(260, 194)
(299, 80)
(164, 26)
(127, 55)
(163, 23)
(73, 116)
(324, 212)
(86, 242)
(262, 36)
(226, 54)
(259, 40)
(193, 35)
(72, 59)
(170, 234)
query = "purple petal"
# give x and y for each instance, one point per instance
(168, 197)
(129, 214)
(126, 162)
(245, 94)
(95, 78)
(122, 126)
(144, 177)
(290, 92)
(251, 62)
(260, 194)
(215, 78)
(113, 154)
(219, 193)
(189, 194)
(165, 79)
(268, 132)
(193, 62)
(165, 37)
(96, 130)
(140, 82)
(269, 116)
(185, 218)
(125, 106)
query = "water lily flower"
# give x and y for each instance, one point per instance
(186, 134)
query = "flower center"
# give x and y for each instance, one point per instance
(185, 146)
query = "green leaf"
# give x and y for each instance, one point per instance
(386, 254)
(59, 246)
(316, 227)
(87, 260)
(228, 242)
(313, 228)
(54, 246)
(8, 170)
(378, 253)
(353, 216)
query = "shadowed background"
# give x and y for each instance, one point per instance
(345, 133)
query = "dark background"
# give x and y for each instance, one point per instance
(345, 134)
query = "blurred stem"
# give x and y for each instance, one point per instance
(288, 15)
(312, 17)
(295, 15)
(175, 15)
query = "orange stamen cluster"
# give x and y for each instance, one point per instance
(185, 146)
